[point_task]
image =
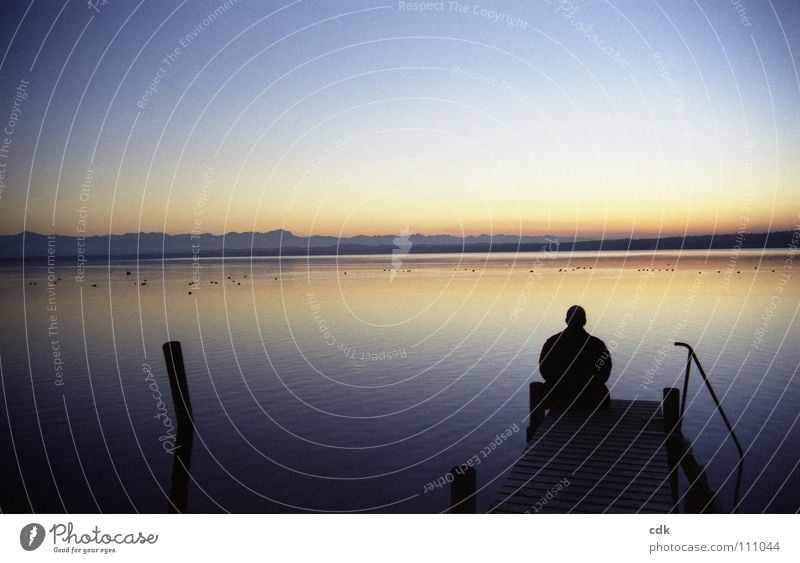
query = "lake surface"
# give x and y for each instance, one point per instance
(340, 384)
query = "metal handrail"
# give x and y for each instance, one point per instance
(692, 356)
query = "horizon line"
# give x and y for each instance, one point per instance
(594, 237)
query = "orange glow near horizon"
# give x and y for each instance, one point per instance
(465, 219)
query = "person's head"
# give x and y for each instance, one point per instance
(576, 317)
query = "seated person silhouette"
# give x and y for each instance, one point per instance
(575, 366)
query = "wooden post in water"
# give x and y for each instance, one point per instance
(671, 408)
(463, 497)
(177, 383)
(671, 411)
(184, 435)
(536, 407)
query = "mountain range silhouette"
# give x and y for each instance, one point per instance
(33, 246)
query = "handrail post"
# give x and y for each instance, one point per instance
(693, 357)
(686, 380)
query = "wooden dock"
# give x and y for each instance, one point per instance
(627, 458)
(615, 460)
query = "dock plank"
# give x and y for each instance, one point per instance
(611, 461)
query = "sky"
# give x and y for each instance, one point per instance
(572, 118)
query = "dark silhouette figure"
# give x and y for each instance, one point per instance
(575, 366)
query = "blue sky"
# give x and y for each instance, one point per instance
(587, 118)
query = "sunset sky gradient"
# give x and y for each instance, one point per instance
(366, 117)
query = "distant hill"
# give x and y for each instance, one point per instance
(282, 242)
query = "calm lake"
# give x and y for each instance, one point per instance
(354, 383)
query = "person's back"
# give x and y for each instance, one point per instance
(575, 366)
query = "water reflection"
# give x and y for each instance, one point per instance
(330, 384)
